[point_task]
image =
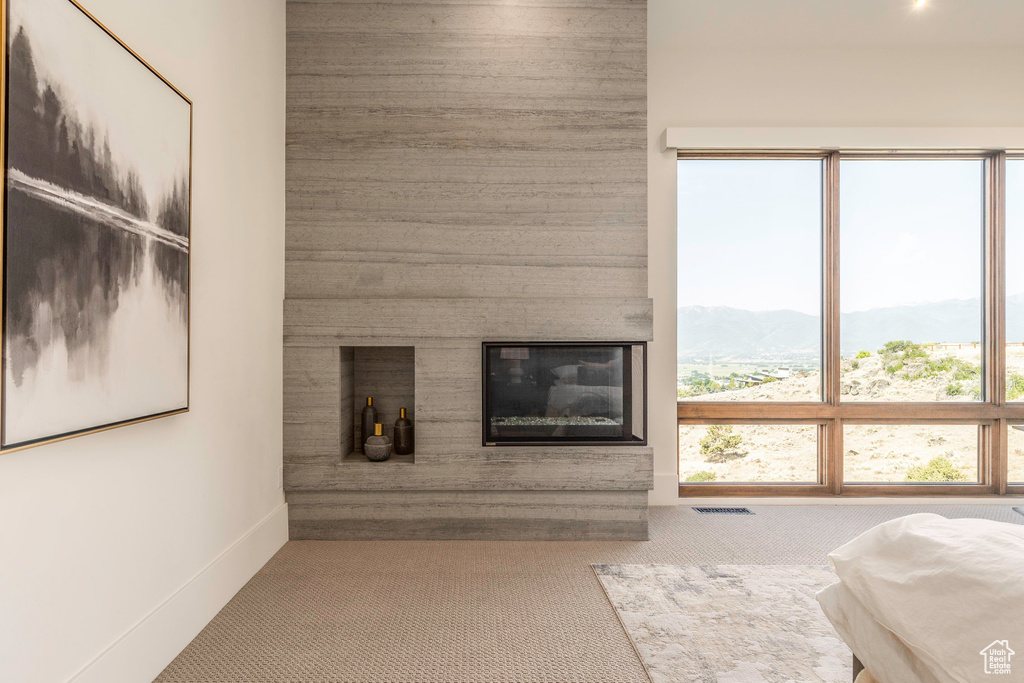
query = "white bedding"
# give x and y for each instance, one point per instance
(881, 653)
(946, 588)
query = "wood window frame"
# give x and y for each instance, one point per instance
(992, 414)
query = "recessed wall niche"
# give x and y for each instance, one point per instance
(388, 374)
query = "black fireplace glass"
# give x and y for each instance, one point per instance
(564, 393)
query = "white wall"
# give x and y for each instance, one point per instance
(97, 533)
(801, 63)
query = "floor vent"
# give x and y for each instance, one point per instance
(723, 511)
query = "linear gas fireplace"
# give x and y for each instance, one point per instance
(564, 393)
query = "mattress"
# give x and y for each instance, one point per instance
(881, 652)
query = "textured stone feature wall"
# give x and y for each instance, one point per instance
(460, 172)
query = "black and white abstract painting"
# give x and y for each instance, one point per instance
(96, 227)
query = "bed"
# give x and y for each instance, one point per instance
(889, 658)
(925, 599)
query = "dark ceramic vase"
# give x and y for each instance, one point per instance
(378, 447)
(404, 443)
(369, 419)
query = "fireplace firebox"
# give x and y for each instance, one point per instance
(585, 393)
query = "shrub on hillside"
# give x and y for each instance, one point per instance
(954, 389)
(914, 363)
(903, 348)
(965, 371)
(720, 441)
(938, 469)
(864, 354)
(703, 475)
(1014, 386)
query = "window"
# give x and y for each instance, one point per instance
(910, 286)
(921, 453)
(749, 279)
(748, 453)
(842, 328)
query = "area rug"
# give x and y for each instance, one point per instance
(727, 623)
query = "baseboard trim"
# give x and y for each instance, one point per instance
(145, 649)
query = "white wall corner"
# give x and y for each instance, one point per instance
(143, 651)
(666, 489)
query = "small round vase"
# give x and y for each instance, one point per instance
(377, 447)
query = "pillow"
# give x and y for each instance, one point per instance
(950, 589)
(566, 374)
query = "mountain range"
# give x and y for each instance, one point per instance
(721, 331)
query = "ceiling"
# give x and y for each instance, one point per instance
(838, 23)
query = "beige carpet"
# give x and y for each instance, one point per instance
(469, 611)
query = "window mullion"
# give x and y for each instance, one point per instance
(994, 284)
(995, 316)
(831, 361)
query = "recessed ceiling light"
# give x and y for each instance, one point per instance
(918, 4)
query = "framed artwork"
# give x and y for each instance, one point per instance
(96, 214)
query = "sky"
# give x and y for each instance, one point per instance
(750, 234)
(910, 232)
(148, 123)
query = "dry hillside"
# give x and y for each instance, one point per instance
(903, 373)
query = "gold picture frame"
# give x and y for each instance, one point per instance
(96, 235)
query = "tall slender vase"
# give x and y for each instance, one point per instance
(404, 443)
(369, 419)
